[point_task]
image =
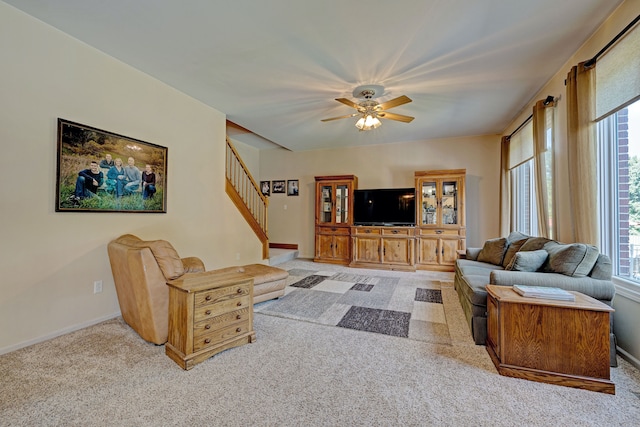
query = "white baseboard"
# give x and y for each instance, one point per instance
(55, 334)
(628, 357)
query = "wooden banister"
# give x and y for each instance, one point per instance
(246, 195)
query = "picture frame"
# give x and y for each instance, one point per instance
(278, 186)
(265, 187)
(89, 180)
(292, 187)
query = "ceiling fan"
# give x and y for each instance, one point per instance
(370, 110)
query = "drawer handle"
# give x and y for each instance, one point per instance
(208, 298)
(367, 231)
(207, 341)
(239, 330)
(238, 317)
(208, 312)
(439, 231)
(395, 231)
(239, 290)
(239, 304)
(207, 326)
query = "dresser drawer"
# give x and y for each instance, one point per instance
(211, 310)
(367, 231)
(438, 232)
(221, 335)
(218, 322)
(216, 295)
(408, 231)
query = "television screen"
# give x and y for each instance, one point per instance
(387, 206)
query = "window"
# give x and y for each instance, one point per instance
(523, 161)
(619, 190)
(524, 217)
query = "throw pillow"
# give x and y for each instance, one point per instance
(575, 259)
(514, 247)
(528, 261)
(493, 251)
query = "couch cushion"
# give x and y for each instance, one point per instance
(535, 243)
(515, 236)
(493, 251)
(167, 258)
(603, 269)
(528, 260)
(514, 247)
(575, 259)
(165, 255)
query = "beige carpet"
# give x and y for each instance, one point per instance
(297, 373)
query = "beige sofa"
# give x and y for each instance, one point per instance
(140, 272)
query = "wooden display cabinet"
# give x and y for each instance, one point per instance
(334, 216)
(440, 215)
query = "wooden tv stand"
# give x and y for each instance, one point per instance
(558, 342)
(390, 248)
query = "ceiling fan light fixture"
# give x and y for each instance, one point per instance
(368, 122)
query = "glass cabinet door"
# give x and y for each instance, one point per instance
(449, 202)
(429, 202)
(342, 204)
(326, 198)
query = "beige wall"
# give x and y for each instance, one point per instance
(49, 260)
(291, 219)
(626, 303)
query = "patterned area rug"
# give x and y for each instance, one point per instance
(401, 304)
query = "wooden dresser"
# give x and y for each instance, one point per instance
(208, 314)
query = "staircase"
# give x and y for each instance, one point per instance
(246, 195)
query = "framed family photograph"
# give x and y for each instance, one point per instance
(278, 187)
(101, 171)
(292, 187)
(265, 187)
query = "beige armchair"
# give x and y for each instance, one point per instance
(140, 272)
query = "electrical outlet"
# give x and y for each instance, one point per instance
(97, 286)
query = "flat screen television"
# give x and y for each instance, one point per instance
(385, 206)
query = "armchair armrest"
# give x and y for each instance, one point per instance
(193, 265)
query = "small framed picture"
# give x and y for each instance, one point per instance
(265, 187)
(277, 186)
(292, 187)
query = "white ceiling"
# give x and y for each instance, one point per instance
(275, 66)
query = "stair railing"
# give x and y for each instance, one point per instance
(246, 195)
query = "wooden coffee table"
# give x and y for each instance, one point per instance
(558, 342)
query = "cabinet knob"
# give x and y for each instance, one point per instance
(239, 330)
(207, 298)
(439, 231)
(238, 317)
(207, 326)
(367, 231)
(395, 231)
(207, 341)
(239, 304)
(239, 290)
(208, 312)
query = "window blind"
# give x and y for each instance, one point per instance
(618, 75)
(521, 146)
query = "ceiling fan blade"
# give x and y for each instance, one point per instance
(392, 116)
(345, 101)
(341, 117)
(394, 102)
